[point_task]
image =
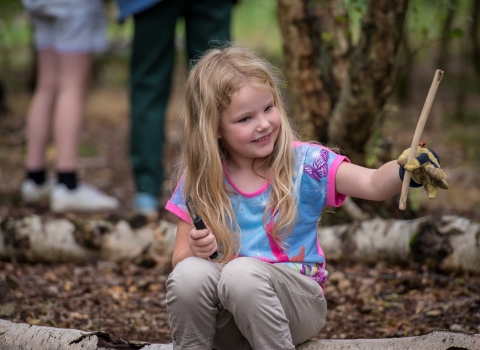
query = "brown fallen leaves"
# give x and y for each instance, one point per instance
(125, 300)
(385, 301)
(128, 301)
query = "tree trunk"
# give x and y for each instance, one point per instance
(444, 243)
(23, 336)
(445, 35)
(406, 58)
(371, 77)
(308, 29)
(335, 47)
(475, 35)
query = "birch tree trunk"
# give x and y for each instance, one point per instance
(16, 336)
(443, 243)
(370, 79)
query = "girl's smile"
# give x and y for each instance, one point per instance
(265, 138)
(249, 127)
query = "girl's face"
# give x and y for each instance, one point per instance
(250, 126)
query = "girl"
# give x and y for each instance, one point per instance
(260, 193)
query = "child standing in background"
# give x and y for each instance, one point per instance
(260, 192)
(67, 33)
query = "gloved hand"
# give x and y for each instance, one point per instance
(425, 169)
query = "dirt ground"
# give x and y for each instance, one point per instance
(128, 301)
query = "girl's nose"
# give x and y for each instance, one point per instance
(263, 123)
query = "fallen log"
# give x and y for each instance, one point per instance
(44, 239)
(16, 336)
(438, 340)
(448, 243)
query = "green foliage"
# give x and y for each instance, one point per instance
(374, 149)
(9, 8)
(255, 24)
(13, 29)
(356, 11)
(457, 33)
(250, 18)
(414, 199)
(15, 44)
(87, 150)
(7, 310)
(119, 34)
(425, 21)
(463, 131)
(463, 120)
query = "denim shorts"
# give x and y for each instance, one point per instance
(78, 27)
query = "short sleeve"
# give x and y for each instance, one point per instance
(334, 198)
(176, 204)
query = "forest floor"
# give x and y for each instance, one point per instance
(128, 301)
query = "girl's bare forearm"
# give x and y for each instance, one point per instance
(372, 184)
(181, 255)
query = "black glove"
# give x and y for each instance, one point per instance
(425, 169)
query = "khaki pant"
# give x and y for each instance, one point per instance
(244, 304)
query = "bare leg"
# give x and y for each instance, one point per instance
(41, 110)
(74, 70)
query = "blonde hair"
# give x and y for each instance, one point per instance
(211, 83)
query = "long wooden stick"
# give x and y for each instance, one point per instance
(418, 134)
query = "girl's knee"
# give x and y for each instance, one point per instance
(244, 267)
(243, 274)
(190, 277)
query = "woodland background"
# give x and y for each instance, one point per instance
(379, 300)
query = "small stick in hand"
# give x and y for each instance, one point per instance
(418, 134)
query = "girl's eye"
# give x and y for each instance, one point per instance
(243, 120)
(269, 108)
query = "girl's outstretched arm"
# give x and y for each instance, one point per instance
(192, 242)
(372, 184)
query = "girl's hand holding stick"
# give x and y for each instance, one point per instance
(415, 143)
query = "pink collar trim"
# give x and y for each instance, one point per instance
(244, 194)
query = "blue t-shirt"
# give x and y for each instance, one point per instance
(314, 184)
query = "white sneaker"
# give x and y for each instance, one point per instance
(82, 198)
(32, 193)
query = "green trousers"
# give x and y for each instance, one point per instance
(153, 52)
